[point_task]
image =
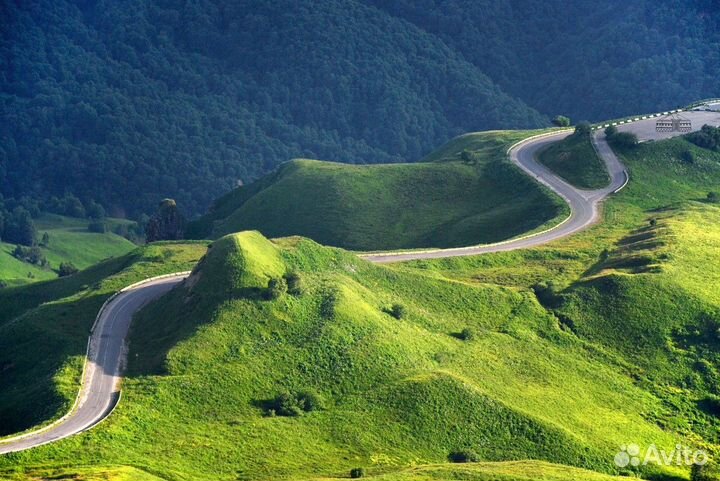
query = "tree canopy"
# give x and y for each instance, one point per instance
(123, 103)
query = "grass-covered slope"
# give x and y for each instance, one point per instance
(654, 300)
(208, 361)
(443, 202)
(558, 354)
(70, 241)
(498, 471)
(44, 329)
(575, 160)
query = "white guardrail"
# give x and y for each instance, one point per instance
(81, 393)
(635, 119)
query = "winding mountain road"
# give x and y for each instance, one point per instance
(100, 391)
(584, 204)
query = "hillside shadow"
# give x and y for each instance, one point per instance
(182, 311)
(634, 253)
(35, 348)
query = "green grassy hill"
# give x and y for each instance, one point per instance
(442, 202)
(70, 241)
(575, 160)
(557, 355)
(208, 361)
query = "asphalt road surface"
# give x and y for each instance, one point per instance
(583, 203)
(100, 391)
(645, 129)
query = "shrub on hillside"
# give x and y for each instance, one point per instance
(469, 157)
(397, 311)
(328, 304)
(467, 334)
(687, 157)
(67, 269)
(295, 284)
(311, 400)
(704, 472)
(624, 139)
(708, 137)
(357, 473)
(546, 293)
(296, 403)
(464, 456)
(277, 287)
(713, 197)
(31, 255)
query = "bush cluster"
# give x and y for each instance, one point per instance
(276, 288)
(397, 311)
(467, 334)
(295, 403)
(464, 456)
(620, 139)
(708, 137)
(357, 473)
(32, 255)
(67, 269)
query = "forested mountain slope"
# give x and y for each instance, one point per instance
(592, 60)
(130, 101)
(126, 102)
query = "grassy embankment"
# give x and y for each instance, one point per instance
(70, 241)
(442, 201)
(575, 160)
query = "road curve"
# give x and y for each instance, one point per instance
(583, 204)
(106, 349)
(100, 390)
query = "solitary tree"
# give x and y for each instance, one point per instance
(561, 121)
(713, 197)
(583, 129)
(95, 210)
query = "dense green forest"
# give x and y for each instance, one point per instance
(593, 60)
(127, 102)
